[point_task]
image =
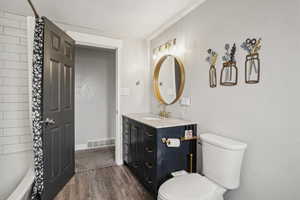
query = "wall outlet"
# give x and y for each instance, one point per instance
(186, 101)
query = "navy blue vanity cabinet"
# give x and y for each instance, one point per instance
(149, 159)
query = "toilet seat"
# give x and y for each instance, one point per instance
(190, 187)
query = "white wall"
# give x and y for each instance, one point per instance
(95, 95)
(134, 67)
(265, 116)
(15, 137)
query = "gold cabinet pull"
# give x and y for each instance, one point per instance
(149, 181)
(135, 164)
(148, 165)
(148, 149)
(149, 134)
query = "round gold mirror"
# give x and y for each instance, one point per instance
(169, 78)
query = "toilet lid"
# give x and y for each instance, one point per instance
(189, 187)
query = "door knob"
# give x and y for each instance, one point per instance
(48, 121)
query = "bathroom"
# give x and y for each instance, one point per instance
(261, 115)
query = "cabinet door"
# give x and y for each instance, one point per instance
(134, 146)
(171, 159)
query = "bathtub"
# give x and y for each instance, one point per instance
(22, 192)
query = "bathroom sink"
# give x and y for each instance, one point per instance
(152, 118)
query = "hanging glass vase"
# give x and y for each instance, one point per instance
(212, 76)
(229, 74)
(252, 68)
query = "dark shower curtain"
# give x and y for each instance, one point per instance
(37, 126)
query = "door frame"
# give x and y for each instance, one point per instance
(91, 41)
(114, 44)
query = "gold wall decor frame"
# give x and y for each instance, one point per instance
(156, 77)
(212, 60)
(229, 74)
(229, 71)
(252, 63)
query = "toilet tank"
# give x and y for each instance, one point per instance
(222, 159)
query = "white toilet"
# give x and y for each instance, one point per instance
(222, 161)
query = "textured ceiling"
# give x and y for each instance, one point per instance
(117, 18)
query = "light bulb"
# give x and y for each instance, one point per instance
(154, 56)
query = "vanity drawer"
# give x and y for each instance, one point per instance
(149, 176)
(149, 152)
(149, 134)
(149, 184)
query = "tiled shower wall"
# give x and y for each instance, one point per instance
(15, 137)
(14, 122)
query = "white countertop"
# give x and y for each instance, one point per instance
(158, 122)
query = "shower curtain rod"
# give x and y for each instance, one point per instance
(33, 9)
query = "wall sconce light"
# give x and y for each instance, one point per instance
(167, 48)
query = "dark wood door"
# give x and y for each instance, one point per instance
(58, 109)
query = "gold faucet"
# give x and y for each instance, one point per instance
(163, 113)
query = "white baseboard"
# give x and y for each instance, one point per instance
(79, 147)
(119, 163)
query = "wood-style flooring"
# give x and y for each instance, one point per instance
(94, 159)
(109, 183)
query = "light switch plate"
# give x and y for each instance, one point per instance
(125, 92)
